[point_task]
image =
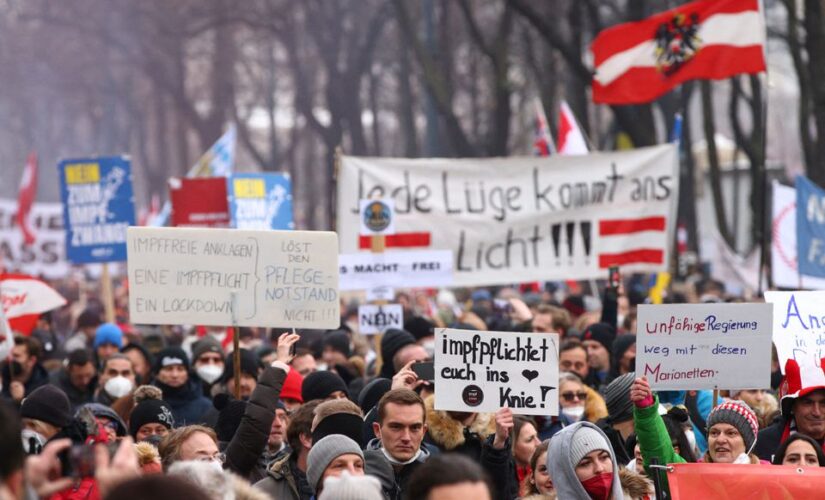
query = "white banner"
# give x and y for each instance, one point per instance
(484, 371)
(524, 219)
(705, 346)
(188, 275)
(362, 271)
(784, 268)
(47, 256)
(375, 319)
(799, 331)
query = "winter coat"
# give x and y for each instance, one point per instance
(653, 438)
(565, 481)
(244, 491)
(769, 439)
(249, 442)
(595, 409)
(475, 442)
(77, 397)
(186, 402)
(282, 482)
(403, 474)
(38, 378)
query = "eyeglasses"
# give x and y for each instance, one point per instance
(572, 396)
(217, 457)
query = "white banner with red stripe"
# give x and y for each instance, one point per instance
(523, 219)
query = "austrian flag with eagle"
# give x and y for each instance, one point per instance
(709, 39)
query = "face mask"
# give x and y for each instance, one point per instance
(118, 387)
(15, 368)
(599, 486)
(209, 373)
(33, 441)
(573, 413)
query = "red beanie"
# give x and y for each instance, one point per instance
(292, 386)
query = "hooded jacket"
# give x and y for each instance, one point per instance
(187, 401)
(565, 481)
(284, 481)
(403, 474)
(77, 397)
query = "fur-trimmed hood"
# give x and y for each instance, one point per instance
(634, 485)
(448, 433)
(244, 491)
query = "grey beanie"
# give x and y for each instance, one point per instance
(738, 414)
(617, 398)
(324, 452)
(586, 440)
(347, 487)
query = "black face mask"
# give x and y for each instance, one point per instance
(14, 368)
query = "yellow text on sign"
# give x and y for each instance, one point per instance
(83, 173)
(249, 188)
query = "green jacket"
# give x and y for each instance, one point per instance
(653, 439)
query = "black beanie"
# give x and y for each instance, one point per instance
(49, 404)
(150, 411)
(250, 365)
(338, 341)
(319, 385)
(420, 327)
(171, 356)
(620, 346)
(392, 342)
(346, 424)
(602, 333)
(372, 392)
(230, 412)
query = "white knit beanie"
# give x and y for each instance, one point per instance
(347, 487)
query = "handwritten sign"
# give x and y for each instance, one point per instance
(374, 319)
(705, 346)
(799, 329)
(98, 206)
(187, 275)
(524, 219)
(362, 271)
(484, 371)
(380, 293)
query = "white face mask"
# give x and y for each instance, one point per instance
(573, 413)
(209, 373)
(118, 387)
(33, 441)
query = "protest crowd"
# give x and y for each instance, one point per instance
(538, 339)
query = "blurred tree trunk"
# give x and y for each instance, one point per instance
(713, 163)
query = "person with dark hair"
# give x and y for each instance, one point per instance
(142, 362)
(539, 482)
(157, 486)
(286, 477)
(598, 340)
(182, 391)
(304, 362)
(78, 378)
(85, 327)
(116, 379)
(337, 348)
(450, 475)
(250, 370)
(323, 385)
(398, 347)
(619, 425)
(525, 441)
(23, 373)
(208, 361)
(799, 450)
(573, 358)
(12, 484)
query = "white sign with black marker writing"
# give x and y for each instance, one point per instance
(188, 276)
(484, 371)
(375, 319)
(427, 268)
(705, 346)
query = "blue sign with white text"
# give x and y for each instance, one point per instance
(260, 201)
(98, 206)
(810, 227)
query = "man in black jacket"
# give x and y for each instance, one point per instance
(24, 373)
(77, 379)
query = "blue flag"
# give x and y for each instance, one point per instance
(260, 201)
(810, 227)
(98, 206)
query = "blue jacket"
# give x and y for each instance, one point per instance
(187, 402)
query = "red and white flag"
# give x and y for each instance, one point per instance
(641, 240)
(571, 140)
(709, 39)
(24, 298)
(543, 141)
(26, 196)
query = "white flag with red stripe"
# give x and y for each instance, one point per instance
(24, 298)
(571, 140)
(25, 198)
(709, 39)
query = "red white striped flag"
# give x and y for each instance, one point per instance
(709, 39)
(571, 139)
(26, 196)
(642, 241)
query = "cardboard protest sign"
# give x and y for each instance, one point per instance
(199, 202)
(363, 271)
(704, 346)
(377, 217)
(484, 371)
(380, 293)
(799, 329)
(810, 227)
(47, 256)
(188, 275)
(260, 201)
(375, 319)
(523, 219)
(768, 482)
(98, 206)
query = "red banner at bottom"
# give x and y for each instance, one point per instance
(739, 482)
